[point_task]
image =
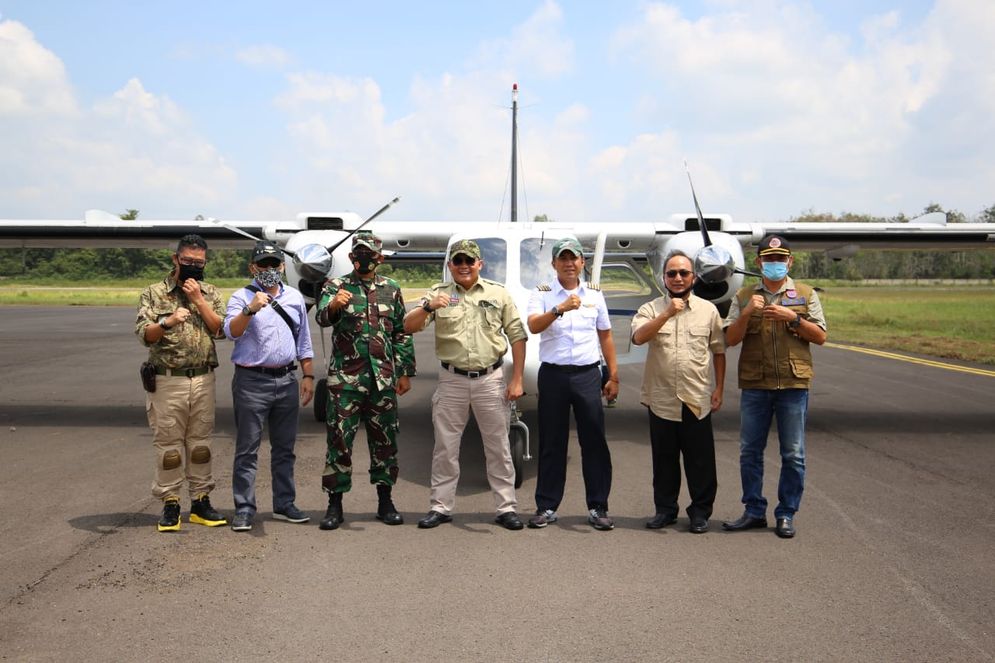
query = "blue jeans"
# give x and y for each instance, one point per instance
(756, 409)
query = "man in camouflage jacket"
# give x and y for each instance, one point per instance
(178, 320)
(372, 361)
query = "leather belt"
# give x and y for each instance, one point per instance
(570, 368)
(474, 374)
(278, 372)
(184, 372)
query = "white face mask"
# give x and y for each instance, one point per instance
(269, 277)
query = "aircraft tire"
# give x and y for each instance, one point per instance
(321, 400)
(517, 439)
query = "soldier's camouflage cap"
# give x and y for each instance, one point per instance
(465, 246)
(367, 239)
(567, 244)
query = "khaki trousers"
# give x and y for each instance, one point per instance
(451, 404)
(181, 415)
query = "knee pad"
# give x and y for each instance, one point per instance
(171, 460)
(200, 455)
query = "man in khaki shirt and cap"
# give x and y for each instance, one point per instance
(685, 336)
(475, 320)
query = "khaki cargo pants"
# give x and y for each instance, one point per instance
(181, 415)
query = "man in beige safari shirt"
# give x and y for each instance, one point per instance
(178, 320)
(685, 336)
(475, 321)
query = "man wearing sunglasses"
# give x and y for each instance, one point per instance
(268, 322)
(475, 321)
(571, 318)
(178, 320)
(776, 321)
(371, 364)
(684, 333)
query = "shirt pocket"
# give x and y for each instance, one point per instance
(698, 342)
(588, 317)
(384, 312)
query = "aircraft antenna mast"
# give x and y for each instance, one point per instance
(514, 153)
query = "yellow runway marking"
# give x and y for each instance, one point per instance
(914, 360)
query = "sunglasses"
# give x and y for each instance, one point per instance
(459, 261)
(187, 262)
(671, 273)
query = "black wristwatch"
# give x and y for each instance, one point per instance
(555, 310)
(247, 311)
(797, 322)
(162, 323)
(427, 306)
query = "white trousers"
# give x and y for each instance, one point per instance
(451, 404)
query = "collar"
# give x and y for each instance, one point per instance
(377, 280)
(477, 284)
(691, 299)
(171, 284)
(260, 286)
(558, 287)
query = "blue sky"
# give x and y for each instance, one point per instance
(256, 110)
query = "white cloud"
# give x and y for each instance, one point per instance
(263, 55)
(132, 149)
(815, 120)
(537, 47)
(32, 78)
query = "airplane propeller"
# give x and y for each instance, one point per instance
(712, 264)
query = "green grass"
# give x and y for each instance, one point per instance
(952, 321)
(956, 322)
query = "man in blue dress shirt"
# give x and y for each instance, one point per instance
(268, 322)
(572, 319)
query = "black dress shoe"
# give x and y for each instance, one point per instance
(660, 521)
(698, 525)
(434, 519)
(746, 521)
(785, 528)
(509, 520)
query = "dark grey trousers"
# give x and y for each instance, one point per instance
(272, 402)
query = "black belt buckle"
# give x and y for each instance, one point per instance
(475, 374)
(190, 372)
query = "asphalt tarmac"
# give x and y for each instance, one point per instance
(893, 558)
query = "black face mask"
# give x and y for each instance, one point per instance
(190, 272)
(364, 262)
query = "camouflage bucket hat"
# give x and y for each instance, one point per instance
(465, 246)
(368, 240)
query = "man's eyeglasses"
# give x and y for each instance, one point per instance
(672, 273)
(459, 261)
(187, 262)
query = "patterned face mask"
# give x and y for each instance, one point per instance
(270, 277)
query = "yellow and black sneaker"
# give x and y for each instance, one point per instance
(202, 513)
(170, 521)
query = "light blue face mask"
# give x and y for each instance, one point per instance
(775, 271)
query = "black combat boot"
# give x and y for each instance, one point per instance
(333, 515)
(385, 510)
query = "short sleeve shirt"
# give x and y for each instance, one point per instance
(190, 345)
(679, 358)
(572, 339)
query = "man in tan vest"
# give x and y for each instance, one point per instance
(775, 320)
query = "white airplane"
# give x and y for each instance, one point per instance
(517, 254)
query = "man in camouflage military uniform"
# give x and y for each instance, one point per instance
(178, 320)
(372, 361)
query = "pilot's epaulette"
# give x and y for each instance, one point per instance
(543, 287)
(592, 286)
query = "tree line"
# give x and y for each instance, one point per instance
(152, 264)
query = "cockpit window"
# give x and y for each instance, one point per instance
(536, 261)
(495, 253)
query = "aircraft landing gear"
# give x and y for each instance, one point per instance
(518, 439)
